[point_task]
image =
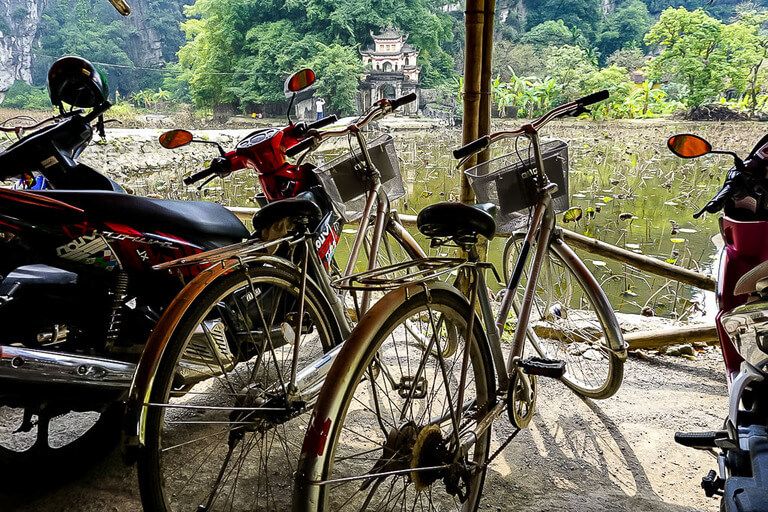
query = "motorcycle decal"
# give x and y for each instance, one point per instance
(326, 244)
(90, 249)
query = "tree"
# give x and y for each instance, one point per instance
(692, 53)
(631, 58)
(549, 33)
(338, 68)
(583, 16)
(624, 27)
(569, 66)
(521, 59)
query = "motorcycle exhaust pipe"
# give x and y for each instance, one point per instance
(34, 366)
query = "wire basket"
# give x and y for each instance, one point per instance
(346, 180)
(509, 181)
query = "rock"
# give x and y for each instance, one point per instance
(681, 350)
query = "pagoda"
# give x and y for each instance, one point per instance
(391, 69)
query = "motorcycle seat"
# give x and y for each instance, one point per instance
(202, 223)
(756, 280)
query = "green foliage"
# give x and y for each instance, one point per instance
(631, 58)
(338, 68)
(92, 29)
(264, 40)
(550, 33)
(704, 54)
(22, 95)
(581, 16)
(624, 27)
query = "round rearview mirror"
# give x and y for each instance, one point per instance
(175, 139)
(686, 145)
(299, 81)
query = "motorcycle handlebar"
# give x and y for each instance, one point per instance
(300, 147)
(322, 122)
(189, 180)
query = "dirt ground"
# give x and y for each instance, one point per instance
(581, 456)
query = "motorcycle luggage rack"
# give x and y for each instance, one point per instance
(387, 278)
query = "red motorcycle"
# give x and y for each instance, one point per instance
(741, 447)
(78, 293)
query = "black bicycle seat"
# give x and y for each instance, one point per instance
(457, 220)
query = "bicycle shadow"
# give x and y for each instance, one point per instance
(575, 457)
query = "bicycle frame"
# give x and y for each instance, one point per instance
(225, 260)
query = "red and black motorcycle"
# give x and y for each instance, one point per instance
(78, 293)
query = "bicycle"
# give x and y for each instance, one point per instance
(404, 417)
(222, 390)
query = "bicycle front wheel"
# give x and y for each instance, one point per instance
(398, 414)
(222, 431)
(571, 320)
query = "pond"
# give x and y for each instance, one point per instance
(630, 190)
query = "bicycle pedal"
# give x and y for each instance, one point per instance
(543, 367)
(701, 440)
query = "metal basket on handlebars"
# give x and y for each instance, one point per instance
(509, 181)
(345, 177)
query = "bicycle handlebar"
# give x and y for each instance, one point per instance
(575, 107)
(380, 109)
(322, 122)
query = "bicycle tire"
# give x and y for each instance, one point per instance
(373, 345)
(552, 314)
(169, 475)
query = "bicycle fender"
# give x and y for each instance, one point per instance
(154, 349)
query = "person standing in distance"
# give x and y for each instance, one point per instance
(319, 103)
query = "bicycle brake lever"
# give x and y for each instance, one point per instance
(200, 186)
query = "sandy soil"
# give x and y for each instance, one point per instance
(580, 456)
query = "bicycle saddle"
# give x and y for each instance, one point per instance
(457, 220)
(301, 209)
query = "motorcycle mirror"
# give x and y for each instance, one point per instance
(121, 6)
(686, 145)
(175, 139)
(299, 81)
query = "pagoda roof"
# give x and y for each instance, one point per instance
(389, 33)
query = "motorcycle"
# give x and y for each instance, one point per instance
(78, 293)
(741, 447)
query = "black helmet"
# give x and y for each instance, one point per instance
(74, 80)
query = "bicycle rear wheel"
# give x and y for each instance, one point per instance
(569, 320)
(221, 431)
(393, 428)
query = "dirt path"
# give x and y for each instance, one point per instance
(581, 456)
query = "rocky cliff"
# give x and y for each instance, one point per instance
(19, 20)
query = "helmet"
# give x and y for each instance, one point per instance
(74, 80)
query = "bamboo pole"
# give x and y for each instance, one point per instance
(671, 336)
(474, 18)
(639, 261)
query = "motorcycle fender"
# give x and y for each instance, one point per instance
(141, 386)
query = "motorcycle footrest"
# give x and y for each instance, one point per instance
(701, 440)
(543, 367)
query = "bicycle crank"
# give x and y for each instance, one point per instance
(521, 399)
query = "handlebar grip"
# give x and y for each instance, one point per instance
(322, 122)
(198, 176)
(402, 100)
(472, 148)
(592, 98)
(717, 202)
(301, 146)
